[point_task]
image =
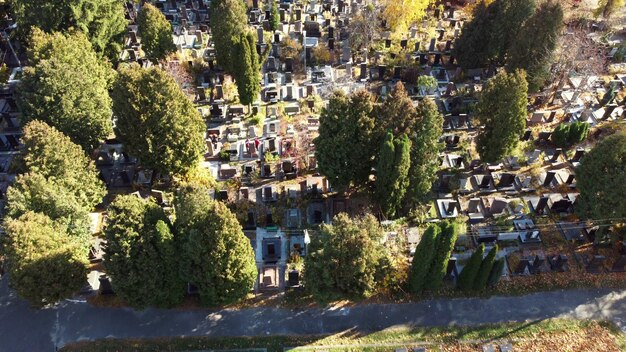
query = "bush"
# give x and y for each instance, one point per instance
(565, 135)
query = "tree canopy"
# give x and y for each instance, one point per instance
(601, 179)
(423, 258)
(494, 28)
(228, 22)
(248, 69)
(217, 257)
(443, 248)
(425, 148)
(401, 14)
(274, 16)
(533, 49)
(46, 264)
(392, 173)
(103, 21)
(345, 258)
(470, 271)
(502, 112)
(156, 121)
(346, 144)
(67, 87)
(51, 154)
(33, 192)
(397, 113)
(142, 256)
(155, 32)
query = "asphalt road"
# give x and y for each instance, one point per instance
(26, 329)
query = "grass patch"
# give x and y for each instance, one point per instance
(544, 335)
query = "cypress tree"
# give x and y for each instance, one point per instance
(468, 275)
(480, 283)
(247, 70)
(425, 149)
(384, 174)
(445, 244)
(496, 272)
(422, 260)
(402, 163)
(274, 17)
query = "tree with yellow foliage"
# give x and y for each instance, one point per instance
(401, 14)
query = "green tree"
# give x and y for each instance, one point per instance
(228, 22)
(46, 264)
(601, 179)
(274, 16)
(155, 32)
(496, 272)
(425, 149)
(423, 258)
(397, 114)
(247, 74)
(346, 144)
(444, 246)
(103, 21)
(533, 50)
(141, 254)
(384, 174)
(345, 258)
(51, 154)
(156, 121)
(216, 255)
(392, 179)
(67, 87)
(488, 36)
(502, 111)
(567, 134)
(486, 266)
(471, 269)
(33, 192)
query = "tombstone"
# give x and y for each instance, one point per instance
(276, 37)
(431, 47)
(552, 115)
(387, 43)
(293, 278)
(289, 65)
(259, 34)
(397, 72)
(423, 60)
(105, 285)
(558, 263)
(437, 60)
(417, 46)
(282, 16)
(381, 72)
(331, 44)
(363, 74)
(557, 154)
(298, 14)
(437, 13)
(527, 135)
(403, 43)
(596, 264)
(550, 175)
(448, 45)
(219, 92)
(201, 94)
(578, 155)
(331, 32)
(451, 12)
(441, 34)
(541, 205)
(133, 37)
(255, 4)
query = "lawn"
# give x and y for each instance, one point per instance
(546, 335)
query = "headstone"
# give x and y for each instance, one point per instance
(431, 47)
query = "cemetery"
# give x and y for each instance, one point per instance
(263, 158)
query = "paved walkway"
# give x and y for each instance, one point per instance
(26, 329)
